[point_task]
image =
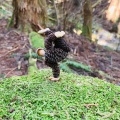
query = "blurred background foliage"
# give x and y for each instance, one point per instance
(65, 14)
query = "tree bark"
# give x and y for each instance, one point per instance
(29, 13)
(87, 24)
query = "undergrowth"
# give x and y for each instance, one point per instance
(74, 97)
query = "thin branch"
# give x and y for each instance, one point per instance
(89, 105)
(10, 52)
(10, 72)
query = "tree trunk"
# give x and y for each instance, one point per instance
(87, 24)
(29, 13)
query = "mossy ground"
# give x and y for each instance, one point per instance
(36, 40)
(34, 97)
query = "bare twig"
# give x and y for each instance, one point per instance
(10, 72)
(10, 51)
(89, 105)
(96, 3)
(115, 68)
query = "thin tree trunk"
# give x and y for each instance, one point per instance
(87, 24)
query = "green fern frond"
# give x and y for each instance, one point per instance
(65, 66)
(33, 55)
(79, 65)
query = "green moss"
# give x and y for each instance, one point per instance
(34, 97)
(36, 40)
(79, 25)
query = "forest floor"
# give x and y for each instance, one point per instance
(14, 44)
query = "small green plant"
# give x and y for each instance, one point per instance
(33, 55)
(65, 66)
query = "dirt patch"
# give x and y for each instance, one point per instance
(12, 43)
(98, 57)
